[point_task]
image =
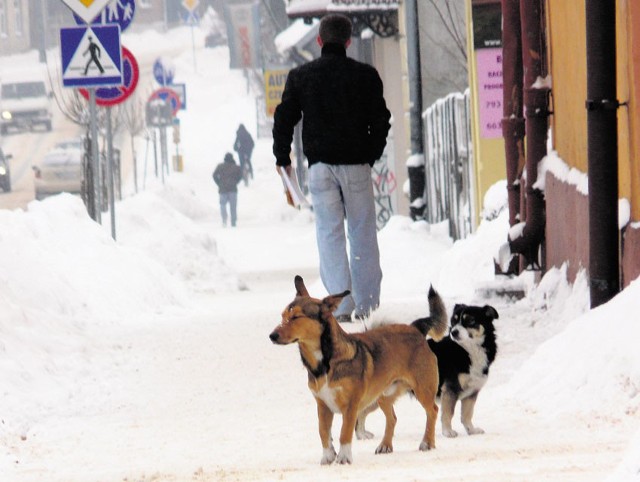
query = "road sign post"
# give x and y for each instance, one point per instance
(95, 158)
(110, 184)
(192, 20)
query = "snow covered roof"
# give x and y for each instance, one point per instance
(298, 33)
(314, 8)
(363, 5)
(310, 8)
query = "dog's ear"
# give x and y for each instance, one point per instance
(490, 312)
(455, 314)
(301, 289)
(331, 302)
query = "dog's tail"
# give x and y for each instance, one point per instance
(436, 324)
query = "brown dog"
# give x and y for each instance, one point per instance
(351, 373)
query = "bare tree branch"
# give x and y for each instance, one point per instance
(450, 24)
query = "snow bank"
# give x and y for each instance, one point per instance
(591, 366)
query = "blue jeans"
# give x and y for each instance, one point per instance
(340, 192)
(230, 198)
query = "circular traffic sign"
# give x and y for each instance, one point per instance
(116, 11)
(163, 71)
(167, 95)
(107, 96)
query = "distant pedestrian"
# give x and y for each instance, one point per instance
(227, 175)
(244, 147)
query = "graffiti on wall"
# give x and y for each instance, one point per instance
(384, 185)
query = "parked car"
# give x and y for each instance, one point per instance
(5, 171)
(60, 171)
(73, 143)
(24, 104)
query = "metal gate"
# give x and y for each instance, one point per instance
(449, 164)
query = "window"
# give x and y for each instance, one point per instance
(17, 8)
(3, 18)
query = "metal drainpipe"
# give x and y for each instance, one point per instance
(536, 124)
(417, 181)
(602, 149)
(513, 127)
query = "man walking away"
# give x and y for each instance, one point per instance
(243, 145)
(345, 122)
(227, 175)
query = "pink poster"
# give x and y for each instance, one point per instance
(489, 67)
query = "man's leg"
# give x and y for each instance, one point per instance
(328, 208)
(364, 255)
(223, 208)
(233, 203)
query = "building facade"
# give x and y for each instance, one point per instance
(14, 26)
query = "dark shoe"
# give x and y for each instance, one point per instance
(343, 318)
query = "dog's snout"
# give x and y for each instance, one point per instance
(455, 334)
(274, 336)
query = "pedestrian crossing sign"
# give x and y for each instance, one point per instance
(91, 56)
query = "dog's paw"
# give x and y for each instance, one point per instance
(384, 449)
(345, 457)
(328, 456)
(424, 446)
(449, 432)
(474, 430)
(364, 435)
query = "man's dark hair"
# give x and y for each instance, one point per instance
(335, 29)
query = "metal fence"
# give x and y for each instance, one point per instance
(449, 164)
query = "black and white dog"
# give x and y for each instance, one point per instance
(464, 358)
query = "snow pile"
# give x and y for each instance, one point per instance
(57, 260)
(162, 224)
(591, 366)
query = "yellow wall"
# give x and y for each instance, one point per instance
(567, 44)
(622, 73)
(568, 62)
(489, 156)
(629, 91)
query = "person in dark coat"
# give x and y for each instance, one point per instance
(345, 122)
(227, 175)
(244, 147)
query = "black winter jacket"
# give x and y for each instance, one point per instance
(344, 116)
(227, 175)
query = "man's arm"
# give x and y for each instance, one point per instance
(379, 117)
(287, 114)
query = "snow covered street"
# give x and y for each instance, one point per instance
(148, 358)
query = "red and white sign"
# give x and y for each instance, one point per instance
(243, 32)
(169, 95)
(108, 96)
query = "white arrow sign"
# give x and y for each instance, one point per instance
(87, 10)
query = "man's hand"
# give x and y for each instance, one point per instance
(286, 168)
